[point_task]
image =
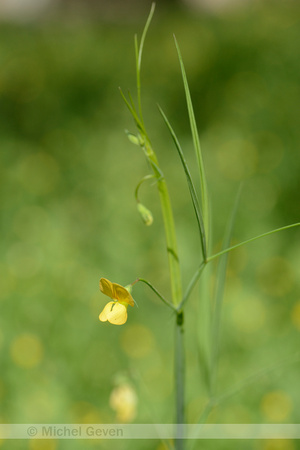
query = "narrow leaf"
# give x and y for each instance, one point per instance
(219, 295)
(254, 378)
(196, 140)
(190, 185)
(144, 35)
(131, 108)
(133, 112)
(210, 258)
(138, 57)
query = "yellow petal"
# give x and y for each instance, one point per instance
(103, 316)
(122, 295)
(107, 287)
(117, 314)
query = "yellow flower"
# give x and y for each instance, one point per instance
(116, 311)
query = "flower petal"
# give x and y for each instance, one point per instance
(122, 295)
(103, 316)
(107, 288)
(117, 314)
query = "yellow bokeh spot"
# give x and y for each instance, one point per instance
(162, 446)
(276, 406)
(26, 350)
(123, 400)
(248, 315)
(275, 276)
(137, 341)
(295, 315)
(42, 444)
(277, 444)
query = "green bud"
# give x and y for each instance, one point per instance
(133, 138)
(137, 140)
(146, 215)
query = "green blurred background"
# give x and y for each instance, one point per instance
(68, 214)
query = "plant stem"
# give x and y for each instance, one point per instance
(168, 219)
(166, 302)
(169, 226)
(175, 276)
(179, 380)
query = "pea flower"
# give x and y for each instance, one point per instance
(116, 311)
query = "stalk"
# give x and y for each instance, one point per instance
(175, 276)
(175, 279)
(169, 228)
(179, 380)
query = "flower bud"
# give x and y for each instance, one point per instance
(133, 138)
(145, 214)
(137, 140)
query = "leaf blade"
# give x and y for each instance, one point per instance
(216, 255)
(190, 185)
(219, 295)
(196, 141)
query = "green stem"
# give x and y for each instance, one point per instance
(147, 177)
(175, 277)
(166, 302)
(169, 226)
(179, 380)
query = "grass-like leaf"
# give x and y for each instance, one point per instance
(196, 142)
(138, 57)
(254, 378)
(216, 255)
(219, 295)
(190, 185)
(132, 110)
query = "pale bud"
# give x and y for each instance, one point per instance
(133, 138)
(145, 214)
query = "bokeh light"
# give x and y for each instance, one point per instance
(26, 350)
(276, 406)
